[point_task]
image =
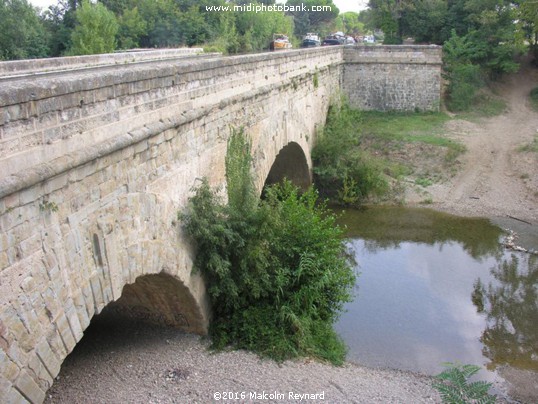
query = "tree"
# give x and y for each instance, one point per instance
(425, 20)
(387, 14)
(22, 33)
(312, 21)
(349, 23)
(95, 31)
(131, 28)
(528, 23)
(59, 21)
(162, 19)
(256, 29)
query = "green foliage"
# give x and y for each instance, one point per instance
(423, 182)
(313, 21)
(425, 127)
(276, 270)
(95, 31)
(240, 186)
(350, 23)
(348, 194)
(131, 28)
(48, 206)
(22, 33)
(256, 29)
(366, 155)
(425, 20)
(387, 15)
(227, 40)
(484, 104)
(342, 171)
(455, 388)
(162, 19)
(465, 80)
(531, 147)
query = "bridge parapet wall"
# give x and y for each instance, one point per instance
(39, 66)
(396, 77)
(57, 115)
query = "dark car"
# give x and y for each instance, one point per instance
(332, 40)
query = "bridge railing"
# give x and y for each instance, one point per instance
(39, 66)
(53, 119)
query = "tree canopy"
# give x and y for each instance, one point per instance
(95, 31)
(22, 35)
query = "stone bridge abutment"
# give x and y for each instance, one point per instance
(97, 160)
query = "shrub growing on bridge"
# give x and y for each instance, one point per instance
(276, 270)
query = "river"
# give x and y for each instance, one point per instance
(436, 288)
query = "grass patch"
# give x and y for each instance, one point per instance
(423, 182)
(402, 127)
(368, 155)
(422, 127)
(531, 147)
(484, 105)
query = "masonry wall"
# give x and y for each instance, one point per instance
(39, 66)
(91, 205)
(385, 78)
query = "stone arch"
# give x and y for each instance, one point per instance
(142, 265)
(160, 299)
(291, 163)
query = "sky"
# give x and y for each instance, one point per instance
(343, 5)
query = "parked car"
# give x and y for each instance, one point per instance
(310, 40)
(333, 40)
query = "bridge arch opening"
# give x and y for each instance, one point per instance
(142, 325)
(290, 163)
(159, 299)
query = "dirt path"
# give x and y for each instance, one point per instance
(496, 178)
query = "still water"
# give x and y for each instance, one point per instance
(437, 288)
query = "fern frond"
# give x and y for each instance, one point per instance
(454, 388)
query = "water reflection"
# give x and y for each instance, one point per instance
(387, 227)
(437, 288)
(511, 306)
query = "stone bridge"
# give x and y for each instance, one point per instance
(99, 153)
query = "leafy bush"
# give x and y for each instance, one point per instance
(276, 270)
(455, 388)
(342, 171)
(465, 80)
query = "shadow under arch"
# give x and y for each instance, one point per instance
(290, 163)
(159, 299)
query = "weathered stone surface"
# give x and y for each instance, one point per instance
(29, 388)
(402, 78)
(88, 217)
